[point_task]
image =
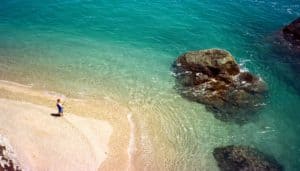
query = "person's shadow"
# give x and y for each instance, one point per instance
(55, 114)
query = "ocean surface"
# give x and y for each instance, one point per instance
(124, 51)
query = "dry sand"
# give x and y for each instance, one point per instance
(44, 142)
(105, 109)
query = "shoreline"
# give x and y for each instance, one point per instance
(106, 113)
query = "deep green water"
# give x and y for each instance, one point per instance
(124, 51)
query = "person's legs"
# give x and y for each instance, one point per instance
(61, 112)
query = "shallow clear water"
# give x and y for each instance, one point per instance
(124, 50)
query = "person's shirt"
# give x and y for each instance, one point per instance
(59, 105)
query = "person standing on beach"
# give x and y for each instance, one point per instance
(60, 107)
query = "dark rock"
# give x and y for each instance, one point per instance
(8, 164)
(286, 42)
(291, 32)
(242, 158)
(285, 50)
(212, 77)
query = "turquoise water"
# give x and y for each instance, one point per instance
(124, 50)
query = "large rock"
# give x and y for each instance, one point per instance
(213, 77)
(242, 158)
(285, 51)
(291, 32)
(286, 42)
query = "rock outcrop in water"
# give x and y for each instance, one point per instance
(213, 77)
(286, 51)
(291, 33)
(237, 158)
(287, 42)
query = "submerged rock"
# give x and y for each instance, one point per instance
(286, 42)
(213, 77)
(291, 32)
(242, 158)
(285, 49)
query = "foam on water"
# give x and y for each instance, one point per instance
(131, 146)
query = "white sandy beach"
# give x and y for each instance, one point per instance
(44, 142)
(83, 140)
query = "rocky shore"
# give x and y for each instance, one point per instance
(8, 159)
